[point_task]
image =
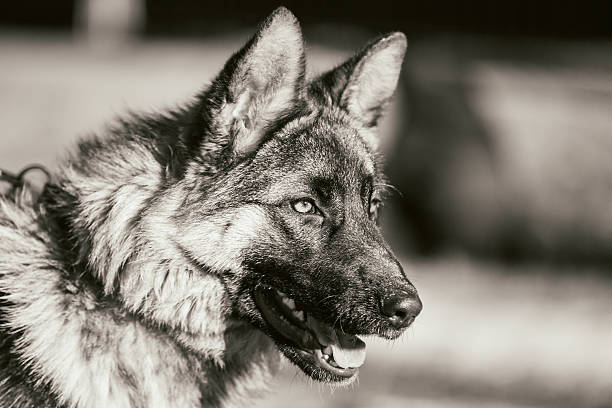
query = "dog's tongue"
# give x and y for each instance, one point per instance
(348, 351)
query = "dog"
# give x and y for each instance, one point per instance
(172, 260)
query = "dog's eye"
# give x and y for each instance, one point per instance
(304, 206)
(375, 206)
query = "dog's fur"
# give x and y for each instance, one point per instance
(129, 282)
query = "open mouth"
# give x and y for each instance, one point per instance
(316, 345)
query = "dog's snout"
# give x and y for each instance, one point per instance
(401, 309)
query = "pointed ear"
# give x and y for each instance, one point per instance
(365, 83)
(258, 85)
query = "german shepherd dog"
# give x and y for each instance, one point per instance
(171, 261)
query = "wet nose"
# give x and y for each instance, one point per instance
(401, 309)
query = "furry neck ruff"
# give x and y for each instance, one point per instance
(99, 311)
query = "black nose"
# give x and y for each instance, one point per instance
(401, 309)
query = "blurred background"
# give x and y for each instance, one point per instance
(499, 142)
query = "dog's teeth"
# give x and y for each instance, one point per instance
(289, 303)
(327, 355)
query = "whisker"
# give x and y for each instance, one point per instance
(386, 187)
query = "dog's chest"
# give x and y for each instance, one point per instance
(152, 371)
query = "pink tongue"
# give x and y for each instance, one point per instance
(351, 352)
(348, 351)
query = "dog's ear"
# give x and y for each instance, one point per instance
(365, 83)
(257, 86)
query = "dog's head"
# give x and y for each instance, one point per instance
(285, 190)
